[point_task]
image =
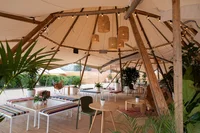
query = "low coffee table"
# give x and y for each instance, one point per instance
(141, 104)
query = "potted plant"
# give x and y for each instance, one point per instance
(116, 84)
(137, 99)
(31, 80)
(98, 86)
(102, 101)
(42, 99)
(75, 83)
(38, 100)
(130, 75)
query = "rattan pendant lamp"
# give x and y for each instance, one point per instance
(95, 38)
(112, 43)
(103, 24)
(123, 33)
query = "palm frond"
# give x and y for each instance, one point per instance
(13, 65)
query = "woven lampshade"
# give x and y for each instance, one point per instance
(95, 38)
(123, 33)
(112, 43)
(120, 43)
(103, 24)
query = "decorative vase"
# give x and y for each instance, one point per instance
(30, 93)
(116, 86)
(102, 101)
(40, 102)
(137, 99)
(126, 89)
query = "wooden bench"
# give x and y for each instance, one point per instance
(65, 98)
(19, 99)
(12, 112)
(55, 110)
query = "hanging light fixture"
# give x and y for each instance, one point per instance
(120, 43)
(123, 33)
(103, 24)
(95, 38)
(112, 43)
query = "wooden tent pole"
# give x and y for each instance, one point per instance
(152, 51)
(90, 45)
(19, 18)
(140, 67)
(119, 50)
(162, 59)
(158, 97)
(120, 66)
(178, 99)
(33, 32)
(131, 9)
(160, 32)
(36, 37)
(80, 67)
(137, 63)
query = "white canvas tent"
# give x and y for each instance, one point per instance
(80, 35)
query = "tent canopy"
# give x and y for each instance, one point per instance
(80, 35)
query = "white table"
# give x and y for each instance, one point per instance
(108, 107)
(31, 106)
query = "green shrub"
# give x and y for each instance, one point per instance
(48, 80)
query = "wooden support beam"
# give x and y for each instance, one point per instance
(105, 11)
(137, 63)
(140, 67)
(33, 32)
(165, 67)
(160, 32)
(162, 45)
(162, 59)
(158, 97)
(71, 27)
(131, 9)
(90, 45)
(168, 26)
(81, 58)
(193, 31)
(112, 61)
(119, 50)
(171, 29)
(120, 67)
(178, 99)
(152, 51)
(30, 42)
(19, 18)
